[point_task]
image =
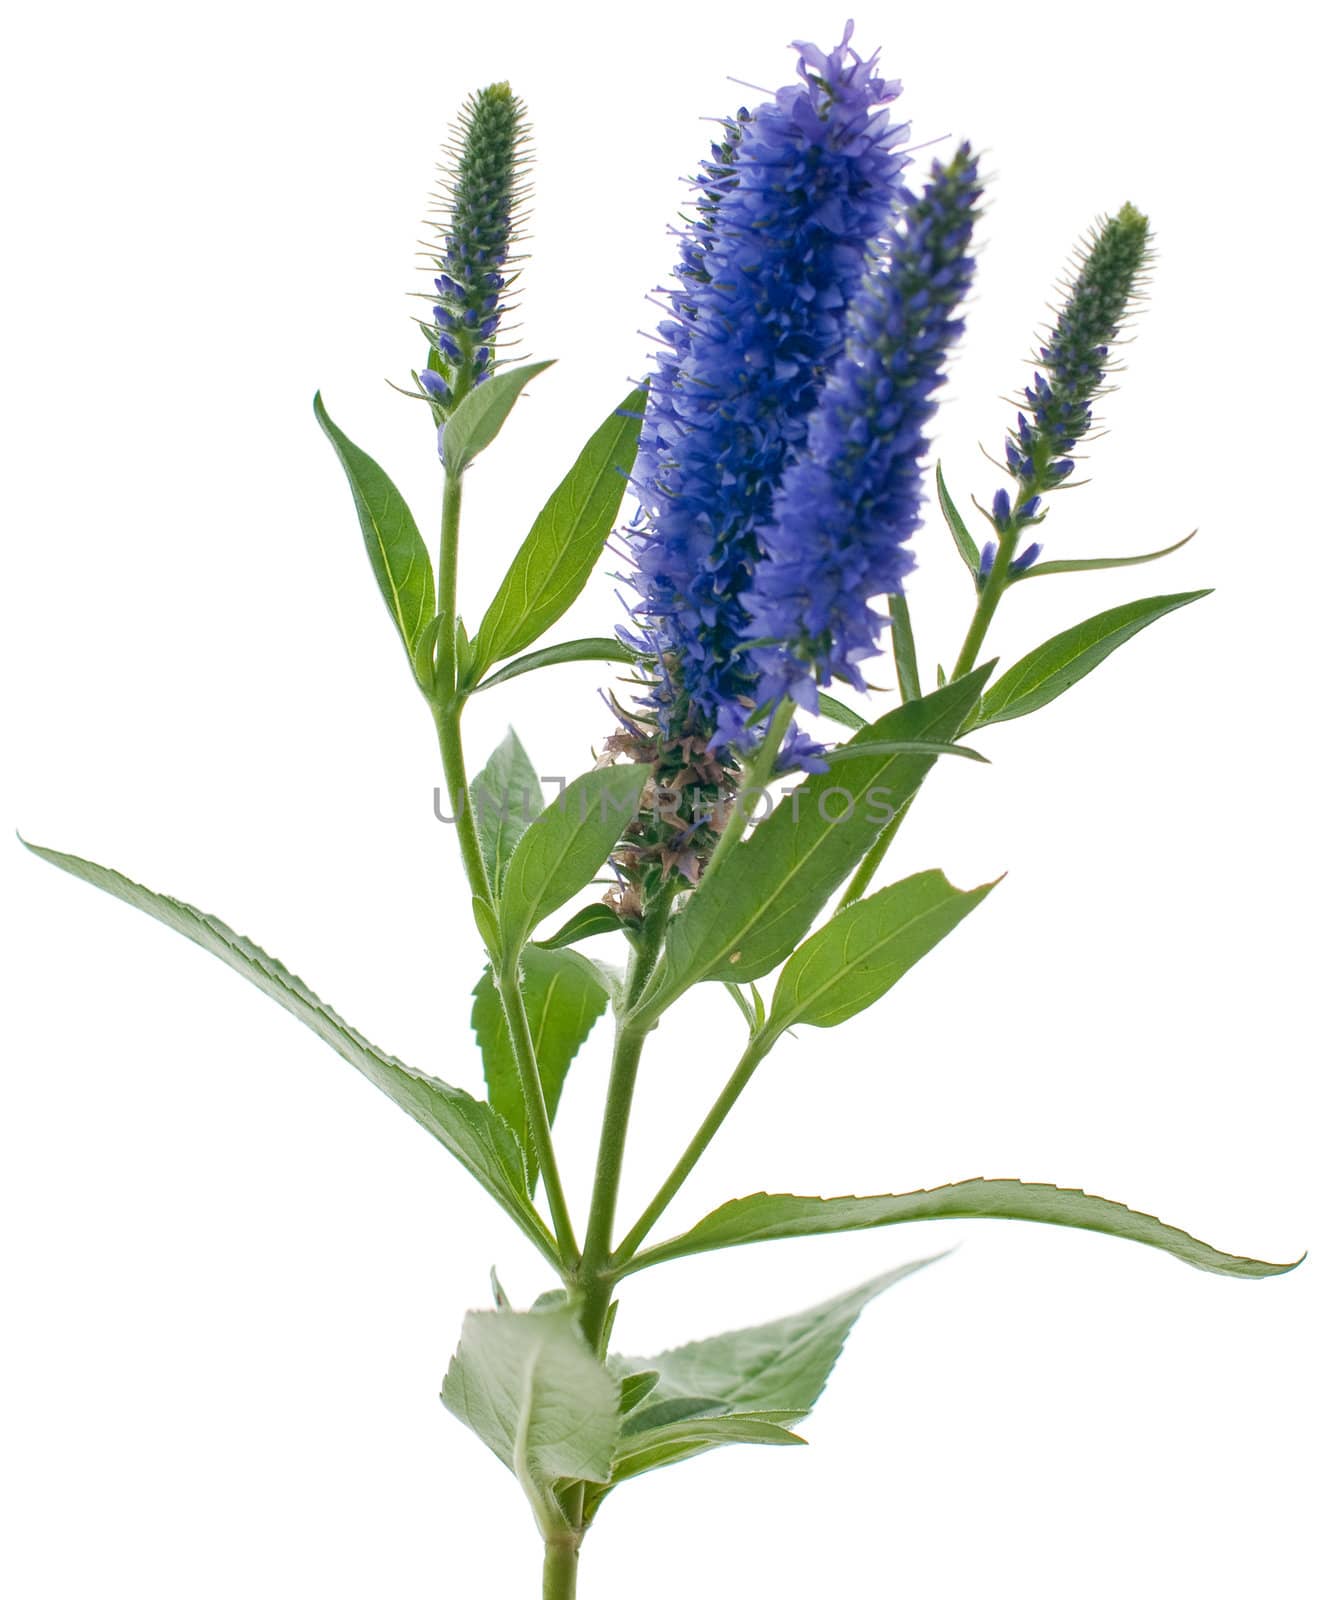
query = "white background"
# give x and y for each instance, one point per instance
(235, 1273)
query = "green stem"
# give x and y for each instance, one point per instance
(757, 1049)
(905, 648)
(447, 710)
(870, 862)
(987, 603)
(992, 591)
(559, 1573)
(596, 1279)
(447, 590)
(447, 718)
(447, 707)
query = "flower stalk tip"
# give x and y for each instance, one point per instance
(788, 207)
(852, 499)
(479, 215)
(1058, 403)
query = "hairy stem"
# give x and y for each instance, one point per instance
(559, 1572)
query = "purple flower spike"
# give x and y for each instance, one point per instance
(852, 499)
(786, 210)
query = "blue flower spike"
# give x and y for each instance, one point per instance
(851, 500)
(787, 210)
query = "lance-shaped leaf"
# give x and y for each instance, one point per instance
(967, 547)
(1047, 569)
(566, 846)
(742, 1387)
(564, 995)
(909, 747)
(862, 951)
(635, 1388)
(752, 910)
(481, 414)
(680, 1441)
(527, 1385)
(584, 924)
(398, 554)
(471, 1132)
(1047, 671)
(557, 556)
(506, 799)
(556, 654)
(836, 711)
(760, 1217)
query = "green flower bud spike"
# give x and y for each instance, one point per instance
(479, 214)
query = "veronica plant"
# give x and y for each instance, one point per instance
(776, 454)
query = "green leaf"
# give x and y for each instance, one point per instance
(564, 995)
(836, 711)
(754, 908)
(635, 1388)
(506, 798)
(555, 654)
(565, 847)
(462, 652)
(528, 1386)
(740, 1387)
(778, 1366)
(680, 1441)
(1045, 569)
(967, 547)
(584, 924)
(917, 747)
(558, 555)
(471, 1132)
(744, 1005)
(483, 914)
(423, 655)
(481, 414)
(679, 1408)
(761, 1217)
(1047, 671)
(862, 951)
(398, 554)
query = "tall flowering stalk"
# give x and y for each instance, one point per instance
(791, 204)
(1072, 364)
(482, 205)
(779, 471)
(1057, 411)
(852, 499)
